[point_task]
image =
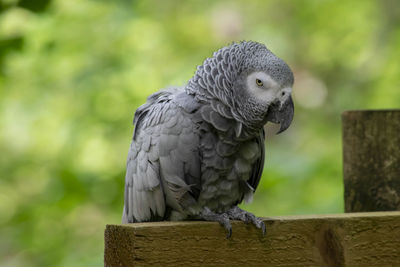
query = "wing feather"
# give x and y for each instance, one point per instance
(259, 164)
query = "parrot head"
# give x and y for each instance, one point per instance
(266, 82)
(248, 79)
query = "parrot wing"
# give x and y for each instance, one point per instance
(163, 167)
(258, 167)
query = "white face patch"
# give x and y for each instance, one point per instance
(262, 86)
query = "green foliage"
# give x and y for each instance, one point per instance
(73, 73)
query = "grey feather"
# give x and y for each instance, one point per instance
(219, 122)
(241, 166)
(225, 150)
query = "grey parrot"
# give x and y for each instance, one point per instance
(198, 150)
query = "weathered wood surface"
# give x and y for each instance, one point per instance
(371, 160)
(352, 239)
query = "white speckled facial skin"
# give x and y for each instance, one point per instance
(268, 90)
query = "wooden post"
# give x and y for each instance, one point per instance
(352, 239)
(371, 160)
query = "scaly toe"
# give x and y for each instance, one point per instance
(247, 217)
(222, 218)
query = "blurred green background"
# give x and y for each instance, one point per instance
(72, 74)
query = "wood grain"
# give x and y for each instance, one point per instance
(352, 239)
(371, 160)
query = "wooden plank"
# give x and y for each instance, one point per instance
(371, 160)
(352, 239)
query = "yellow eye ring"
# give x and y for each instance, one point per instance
(259, 82)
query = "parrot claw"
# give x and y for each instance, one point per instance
(263, 228)
(229, 234)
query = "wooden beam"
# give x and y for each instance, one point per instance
(371, 160)
(352, 239)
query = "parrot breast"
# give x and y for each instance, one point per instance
(226, 169)
(228, 162)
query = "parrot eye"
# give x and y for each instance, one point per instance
(259, 82)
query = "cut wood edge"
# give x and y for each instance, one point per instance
(268, 219)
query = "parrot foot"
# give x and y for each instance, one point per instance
(234, 213)
(237, 213)
(222, 218)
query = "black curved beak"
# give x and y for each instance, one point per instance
(281, 113)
